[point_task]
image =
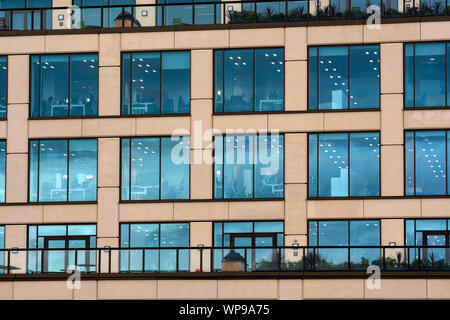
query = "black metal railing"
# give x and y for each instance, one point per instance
(211, 13)
(223, 259)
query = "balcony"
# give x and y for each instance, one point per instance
(203, 262)
(207, 13)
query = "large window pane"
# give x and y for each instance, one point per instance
(409, 75)
(145, 169)
(155, 168)
(329, 156)
(176, 82)
(333, 165)
(53, 170)
(364, 164)
(175, 168)
(340, 75)
(83, 170)
(249, 166)
(238, 80)
(3, 85)
(249, 80)
(238, 167)
(269, 79)
(409, 163)
(364, 77)
(54, 86)
(83, 85)
(269, 182)
(333, 78)
(63, 170)
(64, 85)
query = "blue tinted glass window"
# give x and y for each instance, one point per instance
(2, 170)
(329, 155)
(3, 85)
(339, 77)
(333, 165)
(425, 75)
(249, 166)
(64, 85)
(365, 233)
(20, 4)
(426, 167)
(154, 236)
(155, 168)
(2, 244)
(176, 75)
(63, 170)
(83, 85)
(269, 182)
(249, 80)
(364, 164)
(312, 233)
(155, 82)
(364, 77)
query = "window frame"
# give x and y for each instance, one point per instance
(159, 223)
(256, 135)
(214, 112)
(150, 201)
(447, 189)
(6, 86)
(30, 66)
(160, 114)
(446, 84)
(38, 174)
(308, 197)
(348, 55)
(308, 221)
(6, 168)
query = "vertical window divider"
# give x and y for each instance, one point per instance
(255, 138)
(223, 167)
(39, 88)
(38, 168)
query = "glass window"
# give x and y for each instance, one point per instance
(249, 166)
(344, 233)
(248, 80)
(329, 158)
(244, 238)
(2, 246)
(63, 170)
(3, 86)
(64, 237)
(155, 168)
(426, 162)
(156, 237)
(425, 75)
(64, 85)
(20, 4)
(340, 75)
(416, 228)
(156, 82)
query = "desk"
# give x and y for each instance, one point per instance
(65, 106)
(144, 107)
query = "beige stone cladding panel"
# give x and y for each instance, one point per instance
(127, 289)
(391, 119)
(55, 128)
(74, 213)
(392, 183)
(139, 41)
(399, 289)
(108, 162)
(392, 32)
(71, 43)
(202, 74)
(18, 81)
(333, 288)
(256, 210)
(202, 39)
(261, 37)
(17, 128)
(296, 148)
(295, 209)
(335, 34)
(187, 289)
(295, 44)
(109, 51)
(195, 211)
(426, 119)
(248, 289)
(392, 208)
(391, 68)
(46, 290)
(335, 209)
(27, 214)
(299, 122)
(296, 73)
(142, 212)
(16, 177)
(109, 91)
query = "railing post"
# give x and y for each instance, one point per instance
(308, 16)
(177, 261)
(348, 258)
(286, 10)
(303, 260)
(99, 252)
(201, 259)
(384, 258)
(76, 258)
(143, 260)
(109, 260)
(8, 266)
(314, 259)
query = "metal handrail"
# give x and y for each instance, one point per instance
(306, 12)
